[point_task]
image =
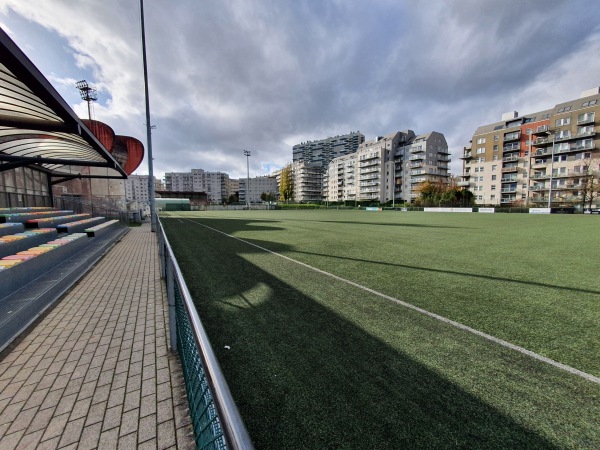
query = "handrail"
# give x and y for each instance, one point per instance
(234, 431)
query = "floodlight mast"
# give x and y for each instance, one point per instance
(247, 154)
(149, 127)
(88, 93)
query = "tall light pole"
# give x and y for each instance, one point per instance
(247, 155)
(148, 126)
(88, 93)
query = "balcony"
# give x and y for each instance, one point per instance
(415, 165)
(373, 176)
(370, 183)
(509, 190)
(416, 157)
(586, 133)
(369, 163)
(515, 136)
(466, 155)
(541, 142)
(443, 158)
(463, 184)
(417, 172)
(585, 118)
(577, 147)
(368, 190)
(563, 137)
(508, 180)
(510, 169)
(511, 147)
(370, 169)
(417, 149)
(538, 187)
(510, 199)
(367, 157)
(417, 180)
(542, 129)
(540, 176)
(443, 152)
(510, 159)
(542, 152)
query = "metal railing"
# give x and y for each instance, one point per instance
(95, 208)
(215, 418)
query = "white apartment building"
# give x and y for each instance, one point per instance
(136, 188)
(258, 185)
(339, 182)
(215, 184)
(308, 181)
(388, 167)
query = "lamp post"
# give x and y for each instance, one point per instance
(247, 155)
(148, 126)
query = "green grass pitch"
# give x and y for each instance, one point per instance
(316, 363)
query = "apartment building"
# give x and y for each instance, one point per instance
(320, 153)
(388, 168)
(258, 185)
(136, 188)
(215, 184)
(308, 182)
(542, 158)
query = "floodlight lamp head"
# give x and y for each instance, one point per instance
(87, 92)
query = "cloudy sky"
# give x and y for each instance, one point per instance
(264, 75)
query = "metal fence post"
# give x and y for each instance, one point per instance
(172, 311)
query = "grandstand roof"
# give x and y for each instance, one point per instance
(38, 128)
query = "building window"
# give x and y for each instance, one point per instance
(563, 121)
(496, 137)
(493, 187)
(496, 148)
(480, 150)
(492, 197)
(481, 141)
(495, 157)
(590, 103)
(564, 109)
(481, 159)
(493, 177)
(494, 167)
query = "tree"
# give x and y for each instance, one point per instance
(439, 193)
(267, 197)
(590, 181)
(286, 183)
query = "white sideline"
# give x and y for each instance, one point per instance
(459, 325)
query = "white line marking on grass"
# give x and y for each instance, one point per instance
(459, 325)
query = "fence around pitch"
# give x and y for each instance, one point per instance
(215, 418)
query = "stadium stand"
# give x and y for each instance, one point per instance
(37, 265)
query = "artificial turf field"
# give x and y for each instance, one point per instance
(315, 362)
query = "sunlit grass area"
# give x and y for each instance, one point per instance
(315, 362)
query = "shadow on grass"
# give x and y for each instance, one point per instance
(385, 224)
(427, 269)
(305, 377)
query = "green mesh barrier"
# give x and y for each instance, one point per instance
(205, 420)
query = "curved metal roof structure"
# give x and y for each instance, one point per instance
(38, 128)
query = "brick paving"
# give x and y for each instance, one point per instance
(96, 371)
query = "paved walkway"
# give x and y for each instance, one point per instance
(96, 371)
